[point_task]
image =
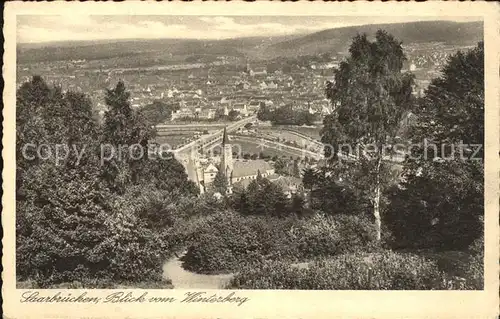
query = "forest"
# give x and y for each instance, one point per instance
(360, 224)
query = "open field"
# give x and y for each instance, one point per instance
(313, 132)
(256, 148)
(174, 140)
(285, 135)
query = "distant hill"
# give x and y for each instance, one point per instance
(255, 47)
(97, 50)
(339, 39)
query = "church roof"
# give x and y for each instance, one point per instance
(250, 168)
(211, 168)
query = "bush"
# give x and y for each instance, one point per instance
(332, 235)
(85, 223)
(219, 244)
(441, 208)
(79, 238)
(474, 274)
(380, 271)
(226, 240)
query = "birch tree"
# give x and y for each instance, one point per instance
(370, 95)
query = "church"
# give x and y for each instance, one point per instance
(202, 171)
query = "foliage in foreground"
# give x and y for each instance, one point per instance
(77, 220)
(385, 270)
(227, 240)
(440, 203)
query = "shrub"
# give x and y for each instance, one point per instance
(474, 274)
(81, 222)
(219, 244)
(439, 208)
(332, 235)
(380, 271)
(81, 238)
(226, 240)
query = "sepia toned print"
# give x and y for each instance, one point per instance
(202, 158)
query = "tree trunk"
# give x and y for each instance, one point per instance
(376, 202)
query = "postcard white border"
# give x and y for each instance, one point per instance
(270, 304)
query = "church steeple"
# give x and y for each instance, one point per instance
(226, 165)
(225, 139)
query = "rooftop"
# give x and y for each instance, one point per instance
(250, 167)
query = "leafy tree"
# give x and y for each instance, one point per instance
(332, 195)
(296, 168)
(220, 182)
(125, 133)
(219, 114)
(121, 124)
(158, 112)
(264, 113)
(442, 207)
(370, 95)
(297, 205)
(439, 204)
(128, 135)
(63, 209)
(69, 225)
(280, 166)
(308, 178)
(233, 115)
(265, 198)
(452, 110)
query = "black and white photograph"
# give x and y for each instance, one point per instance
(247, 152)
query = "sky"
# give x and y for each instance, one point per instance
(50, 28)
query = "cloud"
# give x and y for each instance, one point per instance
(57, 28)
(84, 27)
(226, 27)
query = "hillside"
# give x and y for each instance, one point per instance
(338, 39)
(255, 47)
(163, 48)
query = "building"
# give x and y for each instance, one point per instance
(209, 173)
(241, 108)
(226, 163)
(182, 113)
(236, 171)
(249, 169)
(256, 71)
(207, 114)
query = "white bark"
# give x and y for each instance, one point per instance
(376, 203)
(376, 212)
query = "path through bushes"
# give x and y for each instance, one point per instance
(182, 278)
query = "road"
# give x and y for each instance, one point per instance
(213, 138)
(266, 143)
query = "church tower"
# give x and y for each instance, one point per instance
(248, 69)
(193, 171)
(226, 163)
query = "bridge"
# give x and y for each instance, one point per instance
(169, 128)
(187, 153)
(208, 140)
(268, 143)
